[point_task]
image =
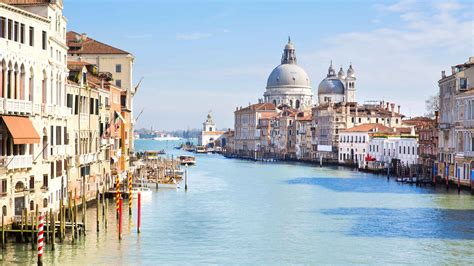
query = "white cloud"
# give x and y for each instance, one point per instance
(403, 63)
(400, 6)
(192, 36)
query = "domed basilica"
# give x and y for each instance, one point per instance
(337, 89)
(288, 84)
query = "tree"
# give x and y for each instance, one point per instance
(432, 105)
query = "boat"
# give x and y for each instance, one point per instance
(173, 184)
(144, 191)
(200, 149)
(187, 160)
(174, 172)
(151, 155)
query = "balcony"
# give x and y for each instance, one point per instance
(87, 158)
(17, 161)
(13, 106)
(84, 118)
(61, 150)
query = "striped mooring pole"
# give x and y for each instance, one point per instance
(40, 238)
(117, 194)
(130, 195)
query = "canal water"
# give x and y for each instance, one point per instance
(238, 211)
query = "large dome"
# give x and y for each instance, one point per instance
(331, 86)
(288, 75)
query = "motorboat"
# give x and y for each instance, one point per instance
(200, 149)
(187, 160)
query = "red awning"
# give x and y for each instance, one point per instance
(21, 129)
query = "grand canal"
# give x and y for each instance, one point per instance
(239, 211)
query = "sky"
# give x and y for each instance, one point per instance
(201, 56)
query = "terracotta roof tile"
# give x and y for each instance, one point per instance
(79, 44)
(368, 128)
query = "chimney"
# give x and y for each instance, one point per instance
(392, 107)
(453, 70)
(399, 109)
(471, 59)
(436, 117)
(83, 36)
(443, 74)
(386, 108)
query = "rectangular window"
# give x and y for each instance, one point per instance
(43, 38)
(91, 106)
(45, 181)
(66, 137)
(58, 135)
(69, 100)
(32, 182)
(10, 29)
(118, 68)
(32, 36)
(52, 135)
(76, 104)
(52, 170)
(15, 31)
(2, 27)
(4, 186)
(97, 106)
(59, 168)
(118, 83)
(22, 33)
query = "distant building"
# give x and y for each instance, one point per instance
(210, 136)
(247, 134)
(386, 147)
(354, 143)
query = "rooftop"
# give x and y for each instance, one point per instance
(82, 44)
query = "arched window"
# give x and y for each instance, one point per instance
(22, 82)
(291, 103)
(274, 102)
(297, 104)
(45, 203)
(31, 84)
(32, 205)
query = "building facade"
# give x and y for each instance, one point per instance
(210, 136)
(454, 159)
(34, 134)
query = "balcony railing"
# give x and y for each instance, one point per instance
(17, 161)
(87, 158)
(18, 106)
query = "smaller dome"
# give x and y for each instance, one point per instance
(350, 72)
(331, 86)
(341, 74)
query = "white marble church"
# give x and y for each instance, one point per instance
(210, 136)
(288, 84)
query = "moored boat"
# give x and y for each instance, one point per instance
(200, 149)
(187, 160)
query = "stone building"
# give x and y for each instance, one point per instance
(354, 143)
(108, 59)
(246, 131)
(330, 118)
(34, 115)
(455, 124)
(210, 136)
(288, 83)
